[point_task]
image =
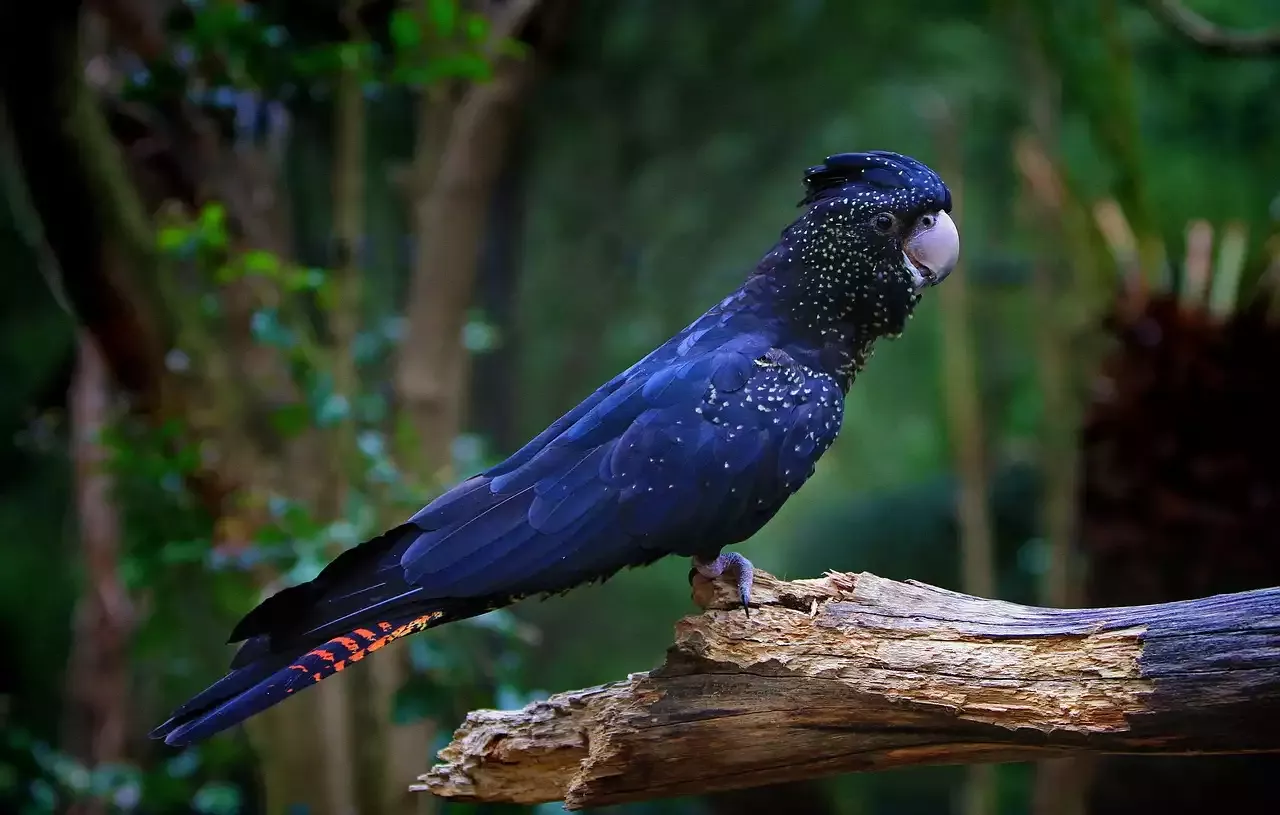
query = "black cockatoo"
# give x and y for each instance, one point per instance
(693, 448)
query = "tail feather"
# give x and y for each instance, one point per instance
(270, 676)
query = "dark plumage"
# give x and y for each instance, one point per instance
(693, 448)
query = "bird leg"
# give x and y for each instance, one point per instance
(712, 569)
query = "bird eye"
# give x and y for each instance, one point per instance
(884, 222)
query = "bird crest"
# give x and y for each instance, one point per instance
(879, 168)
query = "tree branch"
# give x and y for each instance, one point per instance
(1212, 37)
(852, 673)
(460, 153)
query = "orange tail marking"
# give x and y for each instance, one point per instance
(346, 642)
(334, 660)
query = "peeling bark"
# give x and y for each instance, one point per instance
(855, 673)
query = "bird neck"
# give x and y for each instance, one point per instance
(833, 319)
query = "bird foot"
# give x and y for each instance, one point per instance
(712, 569)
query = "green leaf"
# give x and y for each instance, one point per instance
(172, 238)
(349, 55)
(186, 459)
(443, 15)
(291, 420)
(333, 409)
(299, 279)
(186, 551)
(268, 329)
(514, 48)
(459, 66)
(213, 225)
(319, 61)
(477, 28)
(411, 75)
(257, 261)
(479, 336)
(406, 33)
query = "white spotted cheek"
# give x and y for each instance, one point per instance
(843, 283)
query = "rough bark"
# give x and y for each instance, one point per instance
(852, 673)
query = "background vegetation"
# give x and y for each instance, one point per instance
(326, 258)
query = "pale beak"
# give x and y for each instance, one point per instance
(932, 248)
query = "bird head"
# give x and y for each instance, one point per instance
(876, 234)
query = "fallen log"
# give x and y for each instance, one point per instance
(853, 672)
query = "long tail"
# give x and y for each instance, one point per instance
(263, 678)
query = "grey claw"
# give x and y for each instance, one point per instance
(730, 560)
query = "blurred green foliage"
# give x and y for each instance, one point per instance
(192, 588)
(659, 158)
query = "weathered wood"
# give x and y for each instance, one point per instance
(852, 673)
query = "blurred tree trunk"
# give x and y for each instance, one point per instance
(95, 194)
(98, 676)
(305, 746)
(462, 147)
(463, 138)
(962, 391)
(357, 713)
(96, 191)
(453, 183)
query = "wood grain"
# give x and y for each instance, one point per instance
(851, 673)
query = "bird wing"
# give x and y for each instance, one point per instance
(474, 540)
(693, 448)
(696, 449)
(597, 497)
(682, 459)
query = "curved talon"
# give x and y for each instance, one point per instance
(729, 560)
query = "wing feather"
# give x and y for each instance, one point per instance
(691, 455)
(435, 551)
